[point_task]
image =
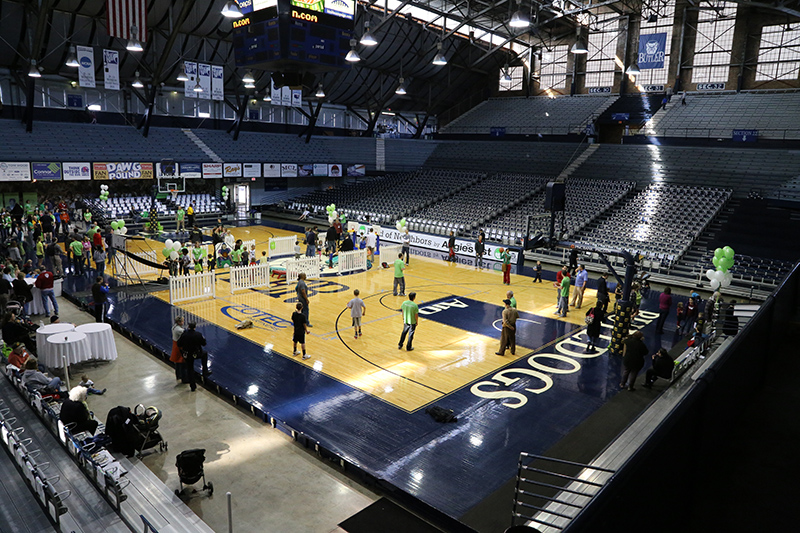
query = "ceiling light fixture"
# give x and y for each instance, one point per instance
(197, 87)
(439, 59)
(519, 19)
(368, 39)
(320, 93)
(72, 58)
(633, 70)
(34, 71)
(137, 82)
(248, 77)
(133, 43)
(401, 87)
(267, 97)
(231, 10)
(183, 76)
(352, 56)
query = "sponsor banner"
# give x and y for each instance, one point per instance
(439, 242)
(191, 171)
(320, 169)
(272, 170)
(305, 170)
(15, 171)
(123, 171)
(111, 70)
(77, 171)
(356, 170)
(204, 76)
(275, 94)
(217, 90)
(46, 171)
(288, 170)
(339, 8)
(75, 101)
(212, 171)
(86, 66)
(335, 171)
(652, 48)
(175, 170)
(232, 170)
(252, 170)
(191, 73)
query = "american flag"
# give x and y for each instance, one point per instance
(123, 14)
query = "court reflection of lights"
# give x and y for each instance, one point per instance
(150, 383)
(388, 389)
(252, 390)
(317, 366)
(417, 476)
(476, 440)
(268, 347)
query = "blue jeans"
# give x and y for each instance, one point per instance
(408, 329)
(100, 268)
(311, 250)
(55, 384)
(49, 294)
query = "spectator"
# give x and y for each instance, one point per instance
(44, 282)
(175, 355)
(593, 326)
(180, 214)
(664, 305)
(192, 342)
(563, 302)
(190, 214)
(633, 352)
(691, 315)
(22, 292)
(573, 259)
(663, 364)
(74, 413)
(89, 384)
(100, 297)
(581, 279)
(399, 283)
(99, 260)
(538, 269)
(730, 324)
(451, 247)
(405, 239)
(680, 316)
(602, 290)
(508, 335)
(38, 381)
(311, 242)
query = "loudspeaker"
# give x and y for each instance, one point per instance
(556, 198)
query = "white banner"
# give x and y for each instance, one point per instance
(212, 171)
(286, 96)
(191, 73)
(86, 66)
(204, 75)
(252, 170)
(439, 242)
(232, 170)
(111, 70)
(272, 170)
(320, 169)
(275, 94)
(335, 171)
(159, 174)
(77, 171)
(288, 170)
(297, 98)
(13, 171)
(217, 90)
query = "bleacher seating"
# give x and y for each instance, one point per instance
(407, 154)
(775, 116)
(125, 206)
(535, 115)
(266, 147)
(540, 158)
(203, 203)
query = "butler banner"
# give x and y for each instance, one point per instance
(123, 171)
(652, 49)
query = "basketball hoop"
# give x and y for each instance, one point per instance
(174, 193)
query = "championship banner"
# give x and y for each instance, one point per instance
(77, 171)
(275, 94)
(652, 49)
(217, 90)
(86, 66)
(252, 170)
(297, 98)
(191, 171)
(191, 73)
(320, 169)
(439, 242)
(15, 171)
(232, 170)
(356, 170)
(335, 171)
(286, 96)
(123, 171)
(46, 171)
(288, 170)
(111, 70)
(272, 170)
(204, 76)
(212, 171)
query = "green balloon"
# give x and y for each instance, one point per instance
(719, 252)
(166, 252)
(121, 223)
(729, 253)
(114, 225)
(715, 260)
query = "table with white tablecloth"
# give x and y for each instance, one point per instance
(43, 348)
(73, 345)
(101, 341)
(36, 307)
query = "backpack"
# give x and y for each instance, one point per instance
(440, 414)
(590, 317)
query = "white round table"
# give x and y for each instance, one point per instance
(36, 307)
(73, 345)
(42, 347)
(101, 341)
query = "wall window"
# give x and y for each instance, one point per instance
(778, 54)
(657, 17)
(600, 62)
(553, 72)
(712, 49)
(517, 74)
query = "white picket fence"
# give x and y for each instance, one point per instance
(352, 261)
(133, 268)
(249, 277)
(192, 287)
(282, 246)
(389, 253)
(310, 266)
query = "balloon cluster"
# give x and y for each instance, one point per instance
(224, 193)
(104, 192)
(723, 261)
(171, 249)
(401, 224)
(118, 226)
(332, 215)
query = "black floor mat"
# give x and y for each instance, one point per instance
(384, 516)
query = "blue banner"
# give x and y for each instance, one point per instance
(497, 132)
(191, 170)
(46, 171)
(652, 49)
(742, 136)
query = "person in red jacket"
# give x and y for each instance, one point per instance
(45, 284)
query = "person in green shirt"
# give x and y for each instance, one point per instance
(563, 303)
(198, 253)
(236, 255)
(510, 297)
(399, 277)
(505, 256)
(179, 216)
(39, 252)
(410, 316)
(76, 247)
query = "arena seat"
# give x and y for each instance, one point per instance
(540, 158)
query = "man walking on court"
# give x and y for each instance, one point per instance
(508, 336)
(399, 277)
(300, 330)
(311, 242)
(301, 289)
(180, 214)
(480, 247)
(410, 315)
(505, 256)
(581, 278)
(405, 238)
(357, 310)
(563, 302)
(192, 342)
(451, 247)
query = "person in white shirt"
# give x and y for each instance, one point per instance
(405, 238)
(357, 310)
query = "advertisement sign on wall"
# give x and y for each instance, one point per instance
(356, 170)
(46, 171)
(335, 171)
(191, 170)
(77, 171)
(289, 170)
(15, 171)
(232, 170)
(320, 169)
(439, 242)
(123, 171)
(212, 170)
(272, 170)
(252, 170)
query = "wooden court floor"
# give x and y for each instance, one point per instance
(445, 359)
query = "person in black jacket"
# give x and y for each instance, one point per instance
(602, 291)
(100, 297)
(480, 247)
(14, 331)
(192, 342)
(633, 352)
(662, 368)
(22, 292)
(451, 247)
(593, 328)
(74, 411)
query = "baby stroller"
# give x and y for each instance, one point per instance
(145, 426)
(190, 470)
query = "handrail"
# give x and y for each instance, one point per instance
(714, 133)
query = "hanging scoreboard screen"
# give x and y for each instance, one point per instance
(294, 35)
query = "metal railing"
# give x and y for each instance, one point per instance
(720, 133)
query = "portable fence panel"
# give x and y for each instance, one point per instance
(352, 261)
(279, 246)
(192, 287)
(389, 253)
(249, 277)
(310, 266)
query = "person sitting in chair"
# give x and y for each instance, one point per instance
(74, 413)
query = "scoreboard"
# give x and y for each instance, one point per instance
(294, 35)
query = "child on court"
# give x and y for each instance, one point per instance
(538, 272)
(212, 263)
(253, 258)
(264, 260)
(357, 310)
(296, 250)
(300, 330)
(680, 315)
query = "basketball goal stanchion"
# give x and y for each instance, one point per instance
(310, 266)
(192, 287)
(352, 261)
(389, 253)
(281, 246)
(249, 277)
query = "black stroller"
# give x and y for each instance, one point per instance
(190, 470)
(145, 424)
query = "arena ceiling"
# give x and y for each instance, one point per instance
(475, 34)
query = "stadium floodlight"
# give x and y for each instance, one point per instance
(579, 47)
(183, 76)
(197, 87)
(72, 58)
(249, 85)
(519, 19)
(133, 43)
(352, 56)
(34, 70)
(94, 107)
(231, 10)
(320, 93)
(439, 59)
(248, 77)
(368, 39)
(401, 87)
(267, 97)
(633, 70)
(137, 82)
(506, 77)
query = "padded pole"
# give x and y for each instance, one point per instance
(230, 514)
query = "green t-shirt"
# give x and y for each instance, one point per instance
(181, 214)
(513, 302)
(236, 255)
(410, 310)
(77, 248)
(39, 248)
(565, 287)
(198, 253)
(398, 268)
(506, 257)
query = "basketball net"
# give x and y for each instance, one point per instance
(174, 193)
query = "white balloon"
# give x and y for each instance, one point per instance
(168, 243)
(124, 230)
(710, 273)
(173, 255)
(728, 276)
(714, 284)
(331, 219)
(719, 275)
(725, 282)
(176, 245)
